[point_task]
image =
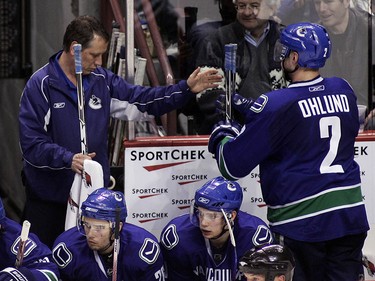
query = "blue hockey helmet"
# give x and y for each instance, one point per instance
(310, 40)
(270, 261)
(102, 205)
(2, 211)
(219, 194)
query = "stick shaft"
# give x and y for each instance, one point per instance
(116, 247)
(21, 246)
(80, 95)
(230, 79)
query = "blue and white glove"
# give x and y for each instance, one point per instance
(222, 130)
(239, 103)
(13, 274)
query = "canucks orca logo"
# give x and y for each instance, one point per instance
(95, 102)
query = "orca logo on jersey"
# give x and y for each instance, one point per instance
(231, 187)
(149, 251)
(204, 200)
(95, 102)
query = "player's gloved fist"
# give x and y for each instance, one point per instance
(221, 130)
(241, 104)
(13, 274)
(220, 105)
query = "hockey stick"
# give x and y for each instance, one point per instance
(116, 247)
(230, 77)
(81, 99)
(21, 245)
(92, 174)
(233, 241)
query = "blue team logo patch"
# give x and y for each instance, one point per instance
(259, 104)
(262, 236)
(62, 255)
(169, 237)
(149, 251)
(95, 102)
(29, 246)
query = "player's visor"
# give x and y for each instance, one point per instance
(280, 52)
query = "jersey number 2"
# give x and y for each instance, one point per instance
(324, 124)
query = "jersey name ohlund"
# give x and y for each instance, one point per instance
(323, 105)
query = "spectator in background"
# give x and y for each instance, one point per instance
(200, 245)
(199, 33)
(50, 129)
(255, 33)
(292, 11)
(37, 264)
(166, 18)
(348, 30)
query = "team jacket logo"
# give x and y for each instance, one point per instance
(95, 102)
(29, 246)
(150, 251)
(59, 105)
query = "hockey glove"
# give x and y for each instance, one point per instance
(239, 103)
(222, 130)
(13, 274)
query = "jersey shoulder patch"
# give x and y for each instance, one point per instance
(62, 255)
(169, 237)
(149, 251)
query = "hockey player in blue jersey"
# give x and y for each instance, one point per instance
(302, 138)
(86, 254)
(37, 263)
(206, 244)
(268, 263)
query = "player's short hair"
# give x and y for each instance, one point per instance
(82, 29)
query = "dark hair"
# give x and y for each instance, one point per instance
(82, 29)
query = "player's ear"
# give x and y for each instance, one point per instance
(233, 215)
(71, 49)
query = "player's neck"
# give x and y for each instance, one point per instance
(303, 74)
(220, 241)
